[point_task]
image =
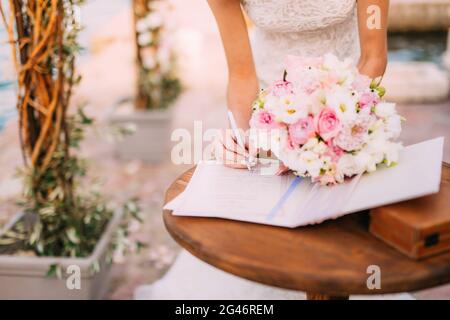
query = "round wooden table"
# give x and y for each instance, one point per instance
(328, 261)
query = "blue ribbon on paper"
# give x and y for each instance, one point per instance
(284, 198)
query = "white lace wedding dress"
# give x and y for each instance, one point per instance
(302, 28)
(299, 27)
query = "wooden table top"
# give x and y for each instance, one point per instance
(331, 258)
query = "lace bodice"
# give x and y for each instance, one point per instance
(300, 27)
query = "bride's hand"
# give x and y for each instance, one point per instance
(242, 91)
(282, 170)
(229, 152)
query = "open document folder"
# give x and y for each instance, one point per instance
(218, 191)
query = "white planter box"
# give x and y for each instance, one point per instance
(151, 140)
(25, 277)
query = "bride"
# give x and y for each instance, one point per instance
(282, 27)
(355, 29)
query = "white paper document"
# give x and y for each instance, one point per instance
(218, 191)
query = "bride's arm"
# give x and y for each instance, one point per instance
(242, 81)
(372, 23)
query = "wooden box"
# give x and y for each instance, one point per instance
(418, 228)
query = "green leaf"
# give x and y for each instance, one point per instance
(72, 235)
(381, 91)
(55, 271)
(84, 119)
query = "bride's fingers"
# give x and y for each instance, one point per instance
(282, 170)
(233, 159)
(227, 157)
(253, 151)
(230, 143)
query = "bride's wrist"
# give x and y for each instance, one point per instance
(373, 67)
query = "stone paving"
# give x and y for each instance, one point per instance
(109, 77)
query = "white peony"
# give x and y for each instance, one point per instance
(385, 109)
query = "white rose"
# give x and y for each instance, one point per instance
(385, 109)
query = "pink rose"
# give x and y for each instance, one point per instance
(369, 100)
(263, 120)
(354, 134)
(334, 151)
(301, 131)
(281, 88)
(327, 124)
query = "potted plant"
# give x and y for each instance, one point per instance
(157, 87)
(61, 244)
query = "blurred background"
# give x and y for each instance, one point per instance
(417, 78)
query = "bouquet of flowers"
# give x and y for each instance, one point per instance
(326, 121)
